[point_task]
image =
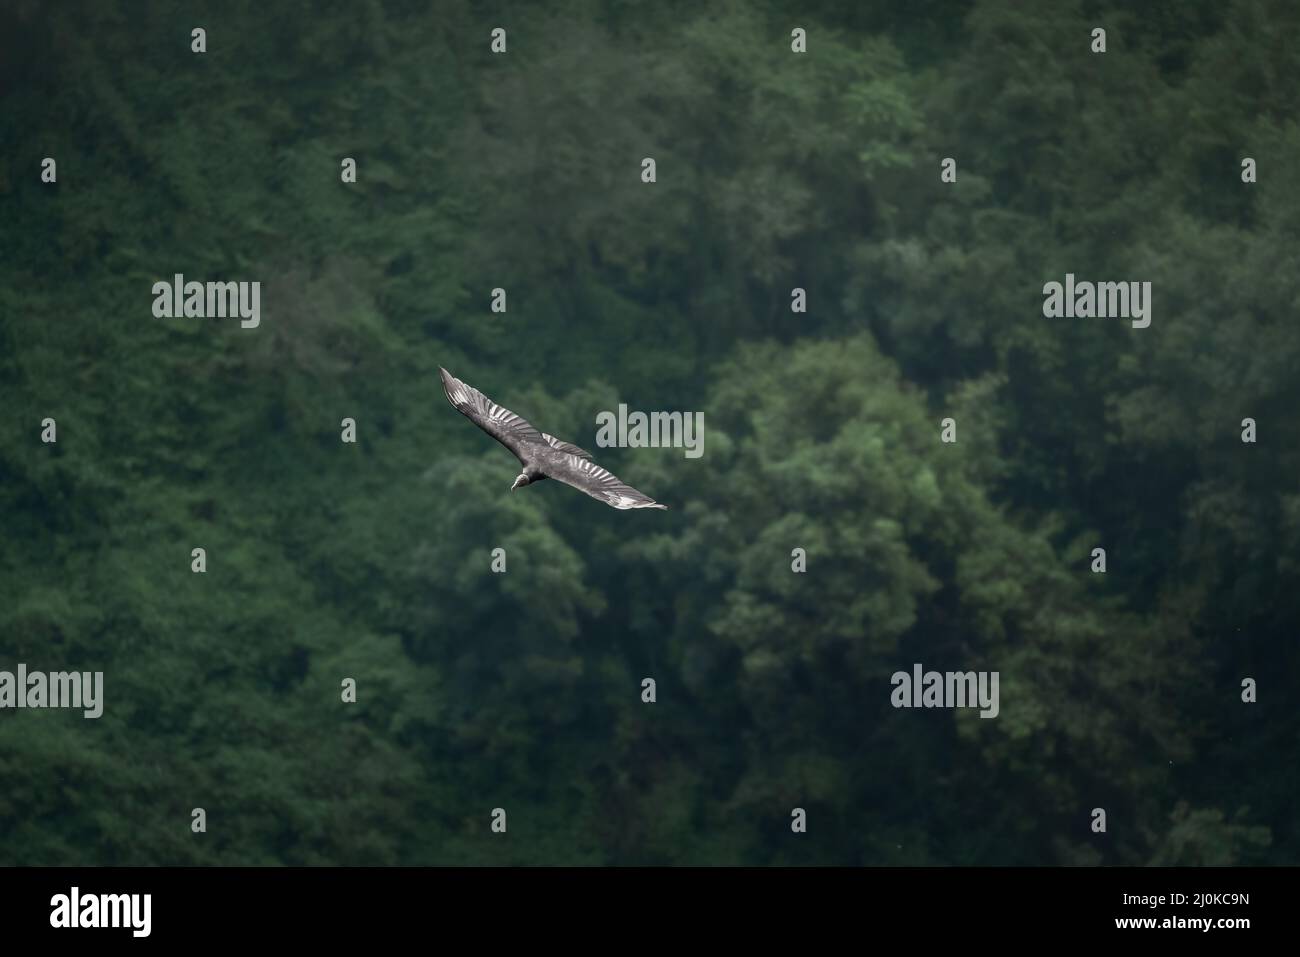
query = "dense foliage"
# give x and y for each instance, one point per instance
(775, 170)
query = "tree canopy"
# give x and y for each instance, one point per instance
(775, 171)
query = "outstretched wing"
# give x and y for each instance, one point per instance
(509, 429)
(569, 447)
(586, 476)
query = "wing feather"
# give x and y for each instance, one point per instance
(506, 427)
(600, 483)
(562, 446)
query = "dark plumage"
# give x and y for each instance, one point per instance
(541, 455)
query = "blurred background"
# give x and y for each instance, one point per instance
(522, 690)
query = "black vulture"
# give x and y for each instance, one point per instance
(541, 455)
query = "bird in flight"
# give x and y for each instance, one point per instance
(542, 456)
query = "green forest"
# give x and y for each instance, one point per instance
(776, 170)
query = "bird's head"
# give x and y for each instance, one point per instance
(522, 480)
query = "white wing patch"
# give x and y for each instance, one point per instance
(503, 425)
(602, 484)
